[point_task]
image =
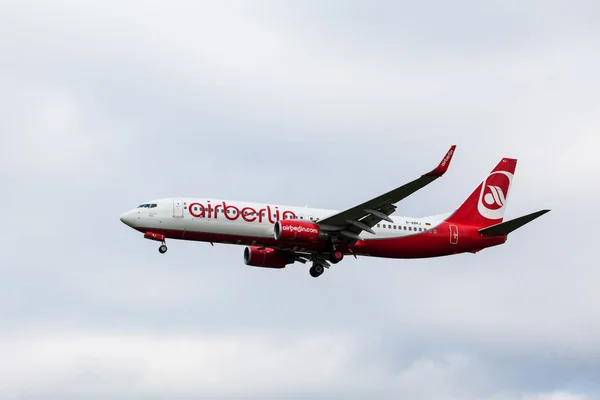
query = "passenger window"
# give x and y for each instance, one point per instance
(410, 228)
(394, 226)
(378, 226)
(405, 228)
(383, 225)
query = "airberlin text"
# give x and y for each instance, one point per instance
(232, 213)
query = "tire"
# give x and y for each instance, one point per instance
(316, 270)
(336, 257)
(162, 249)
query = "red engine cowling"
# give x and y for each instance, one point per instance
(265, 257)
(297, 231)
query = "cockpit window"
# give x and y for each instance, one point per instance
(152, 205)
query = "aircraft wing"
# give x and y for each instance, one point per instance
(350, 223)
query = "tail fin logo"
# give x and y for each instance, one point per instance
(495, 198)
(494, 192)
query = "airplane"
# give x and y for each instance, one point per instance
(276, 236)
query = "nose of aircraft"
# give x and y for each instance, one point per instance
(128, 218)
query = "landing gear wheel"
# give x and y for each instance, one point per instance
(316, 270)
(162, 249)
(336, 257)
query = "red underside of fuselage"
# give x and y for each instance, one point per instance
(421, 245)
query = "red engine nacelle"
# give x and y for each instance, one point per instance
(265, 257)
(297, 231)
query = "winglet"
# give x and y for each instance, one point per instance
(444, 164)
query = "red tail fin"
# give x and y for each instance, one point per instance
(486, 205)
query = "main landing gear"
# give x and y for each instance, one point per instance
(162, 249)
(322, 262)
(336, 257)
(316, 270)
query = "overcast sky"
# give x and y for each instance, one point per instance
(319, 103)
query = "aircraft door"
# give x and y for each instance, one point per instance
(177, 208)
(453, 234)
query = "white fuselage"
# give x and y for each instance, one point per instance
(256, 220)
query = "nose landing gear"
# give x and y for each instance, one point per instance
(159, 238)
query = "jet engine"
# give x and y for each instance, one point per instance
(265, 257)
(297, 231)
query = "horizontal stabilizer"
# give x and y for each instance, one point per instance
(507, 227)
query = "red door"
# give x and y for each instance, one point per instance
(453, 234)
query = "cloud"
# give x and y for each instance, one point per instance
(75, 363)
(555, 396)
(117, 364)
